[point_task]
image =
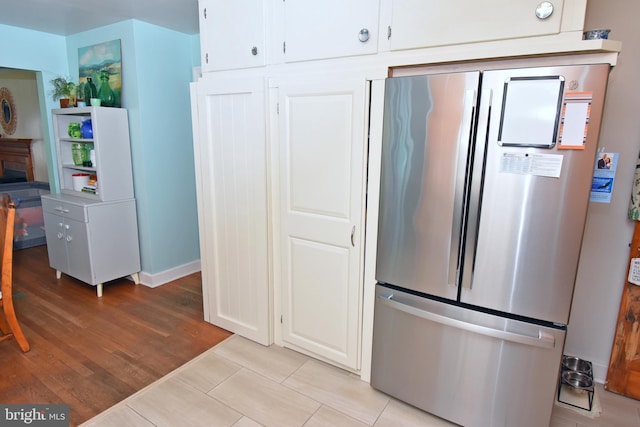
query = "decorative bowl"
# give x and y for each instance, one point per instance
(596, 34)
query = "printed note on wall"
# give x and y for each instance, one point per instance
(603, 177)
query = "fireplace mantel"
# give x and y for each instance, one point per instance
(15, 154)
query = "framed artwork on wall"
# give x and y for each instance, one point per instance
(100, 73)
(8, 114)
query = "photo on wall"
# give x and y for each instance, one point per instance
(100, 73)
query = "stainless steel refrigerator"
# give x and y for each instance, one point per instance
(486, 177)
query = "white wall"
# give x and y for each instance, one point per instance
(603, 266)
(24, 90)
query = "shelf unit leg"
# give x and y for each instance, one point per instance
(99, 290)
(58, 274)
(136, 278)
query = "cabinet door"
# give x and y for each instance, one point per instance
(78, 251)
(322, 151)
(67, 246)
(416, 23)
(54, 228)
(232, 34)
(330, 28)
(231, 171)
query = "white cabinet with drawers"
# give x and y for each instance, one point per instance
(95, 242)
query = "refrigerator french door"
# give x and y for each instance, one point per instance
(484, 193)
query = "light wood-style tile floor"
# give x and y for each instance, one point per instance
(243, 384)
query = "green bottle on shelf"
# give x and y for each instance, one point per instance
(105, 93)
(90, 90)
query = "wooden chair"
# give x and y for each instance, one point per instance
(8, 322)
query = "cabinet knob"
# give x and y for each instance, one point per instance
(544, 10)
(363, 35)
(66, 226)
(69, 238)
(60, 235)
(254, 51)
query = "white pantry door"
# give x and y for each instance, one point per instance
(322, 172)
(231, 170)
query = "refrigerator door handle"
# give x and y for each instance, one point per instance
(543, 340)
(461, 171)
(475, 190)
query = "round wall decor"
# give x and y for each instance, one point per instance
(8, 116)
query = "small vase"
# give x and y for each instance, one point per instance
(77, 154)
(90, 90)
(86, 129)
(105, 93)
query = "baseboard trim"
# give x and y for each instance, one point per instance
(159, 279)
(599, 372)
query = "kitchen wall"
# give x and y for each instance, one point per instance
(603, 266)
(157, 68)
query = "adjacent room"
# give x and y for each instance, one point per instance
(282, 213)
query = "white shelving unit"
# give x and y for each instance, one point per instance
(111, 144)
(93, 236)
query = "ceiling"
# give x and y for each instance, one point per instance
(66, 17)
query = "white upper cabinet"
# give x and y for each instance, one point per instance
(240, 34)
(411, 24)
(329, 29)
(232, 34)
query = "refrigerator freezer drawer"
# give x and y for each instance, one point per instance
(471, 368)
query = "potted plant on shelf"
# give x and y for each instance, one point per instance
(65, 90)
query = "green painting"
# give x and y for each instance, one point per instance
(101, 64)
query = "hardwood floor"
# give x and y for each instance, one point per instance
(92, 352)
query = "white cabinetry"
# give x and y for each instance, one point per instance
(330, 29)
(231, 177)
(411, 24)
(322, 150)
(232, 34)
(92, 232)
(281, 192)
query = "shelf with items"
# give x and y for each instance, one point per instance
(107, 136)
